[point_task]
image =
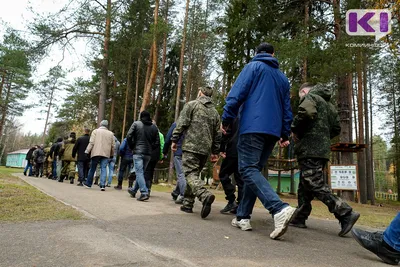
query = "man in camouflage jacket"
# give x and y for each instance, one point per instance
(316, 123)
(69, 162)
(200, 122)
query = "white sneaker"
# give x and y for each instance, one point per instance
(281, 221)
(243, 224)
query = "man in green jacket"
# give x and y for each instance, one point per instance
(315, 124)
(200, 122)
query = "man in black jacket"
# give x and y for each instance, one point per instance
(142, 138)
(230, 166)
(29, 157)
(83, 160)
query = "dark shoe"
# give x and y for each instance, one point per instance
(205, 211)
(229, 207)
(71, 181)
(298, 223)
(347, 222)
(234, 211)
(143, 197)
(174, 195)
(132, 193)
(186, 209)
(149, 193)
(80, 184)
(87, 186)
(108, 185)
(102, 188)
(60, 181)
(118, 187)
(374, 242)
(25, 173)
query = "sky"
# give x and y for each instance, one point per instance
(17, 15)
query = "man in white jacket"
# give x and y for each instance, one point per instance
(101, 148)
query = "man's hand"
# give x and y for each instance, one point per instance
(283, 143)
(174, 147)
(294, 137)
(165, 156)
(222, 154)
(224, 128)
(214, 158)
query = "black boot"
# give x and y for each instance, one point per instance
(71, 180)
(130, 184)
(374, 242)
(119, 186)
(347, 221)
(230, 206)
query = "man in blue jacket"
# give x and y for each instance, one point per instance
(179, 191)
(261, 98)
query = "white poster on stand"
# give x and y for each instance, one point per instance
(343, 177)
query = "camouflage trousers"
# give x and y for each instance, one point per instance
(68, 169)
(192, 164)
(312, 184)
(48, 169)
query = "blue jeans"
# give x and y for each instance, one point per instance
(111, 166)
(140, 164)
(54, 168)
(392, 233)
(28, 166)
(126, 163)
(181, 181)
(103, 170)
(254, 150)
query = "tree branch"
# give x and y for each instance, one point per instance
(101, 5)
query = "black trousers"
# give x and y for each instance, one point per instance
(312, 185)
(149, 173)
(38, 169)
(126, 163)
(230, 166)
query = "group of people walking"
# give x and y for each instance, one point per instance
(257, 115)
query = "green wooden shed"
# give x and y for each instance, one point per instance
(17, 159)
(285, 180)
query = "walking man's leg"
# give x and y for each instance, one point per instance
(54, 169)
(122, 170)
(192, 166)
(81, 175)
(103, 172)
(254, 150)
(228, 167)
(313, 180)
(93, 165)
(111, 167)
(140, 162)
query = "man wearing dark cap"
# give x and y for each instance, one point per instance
(101, 148)
(142, 139)
(261, 98)
(54, 155)
(200, 122)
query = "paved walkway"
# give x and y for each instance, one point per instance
(120, 231)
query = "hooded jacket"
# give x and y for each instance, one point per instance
(261, 98)
(199, 121)
(143, 137)
(315, 124)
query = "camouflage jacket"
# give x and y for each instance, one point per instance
(66, 150)
(315, 124)
(200, 122)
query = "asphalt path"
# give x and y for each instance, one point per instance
(120, 231)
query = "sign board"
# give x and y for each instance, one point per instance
(344, 177)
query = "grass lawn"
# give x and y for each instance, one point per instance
(20, 202)
(378, 216)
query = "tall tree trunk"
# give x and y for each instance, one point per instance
(371, 151)
(306, 23)
(223, 85)
(164, 60)
(344, 102)
(368, 139)
(361, 155)
(128, 89)
(112, 111)
(354, 92)
(48, 114)
(135, 115)
(153, 76)
(396, 139)
(203, 50)
(104, 68)
(4, 106)
(182, 59)
(149, 62)
(192, 46)
(3, 78)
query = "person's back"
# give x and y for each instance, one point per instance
(142, 139)
(201, 125)
(67, 149)
(262, 97)
(102, 144)
(316, 123)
